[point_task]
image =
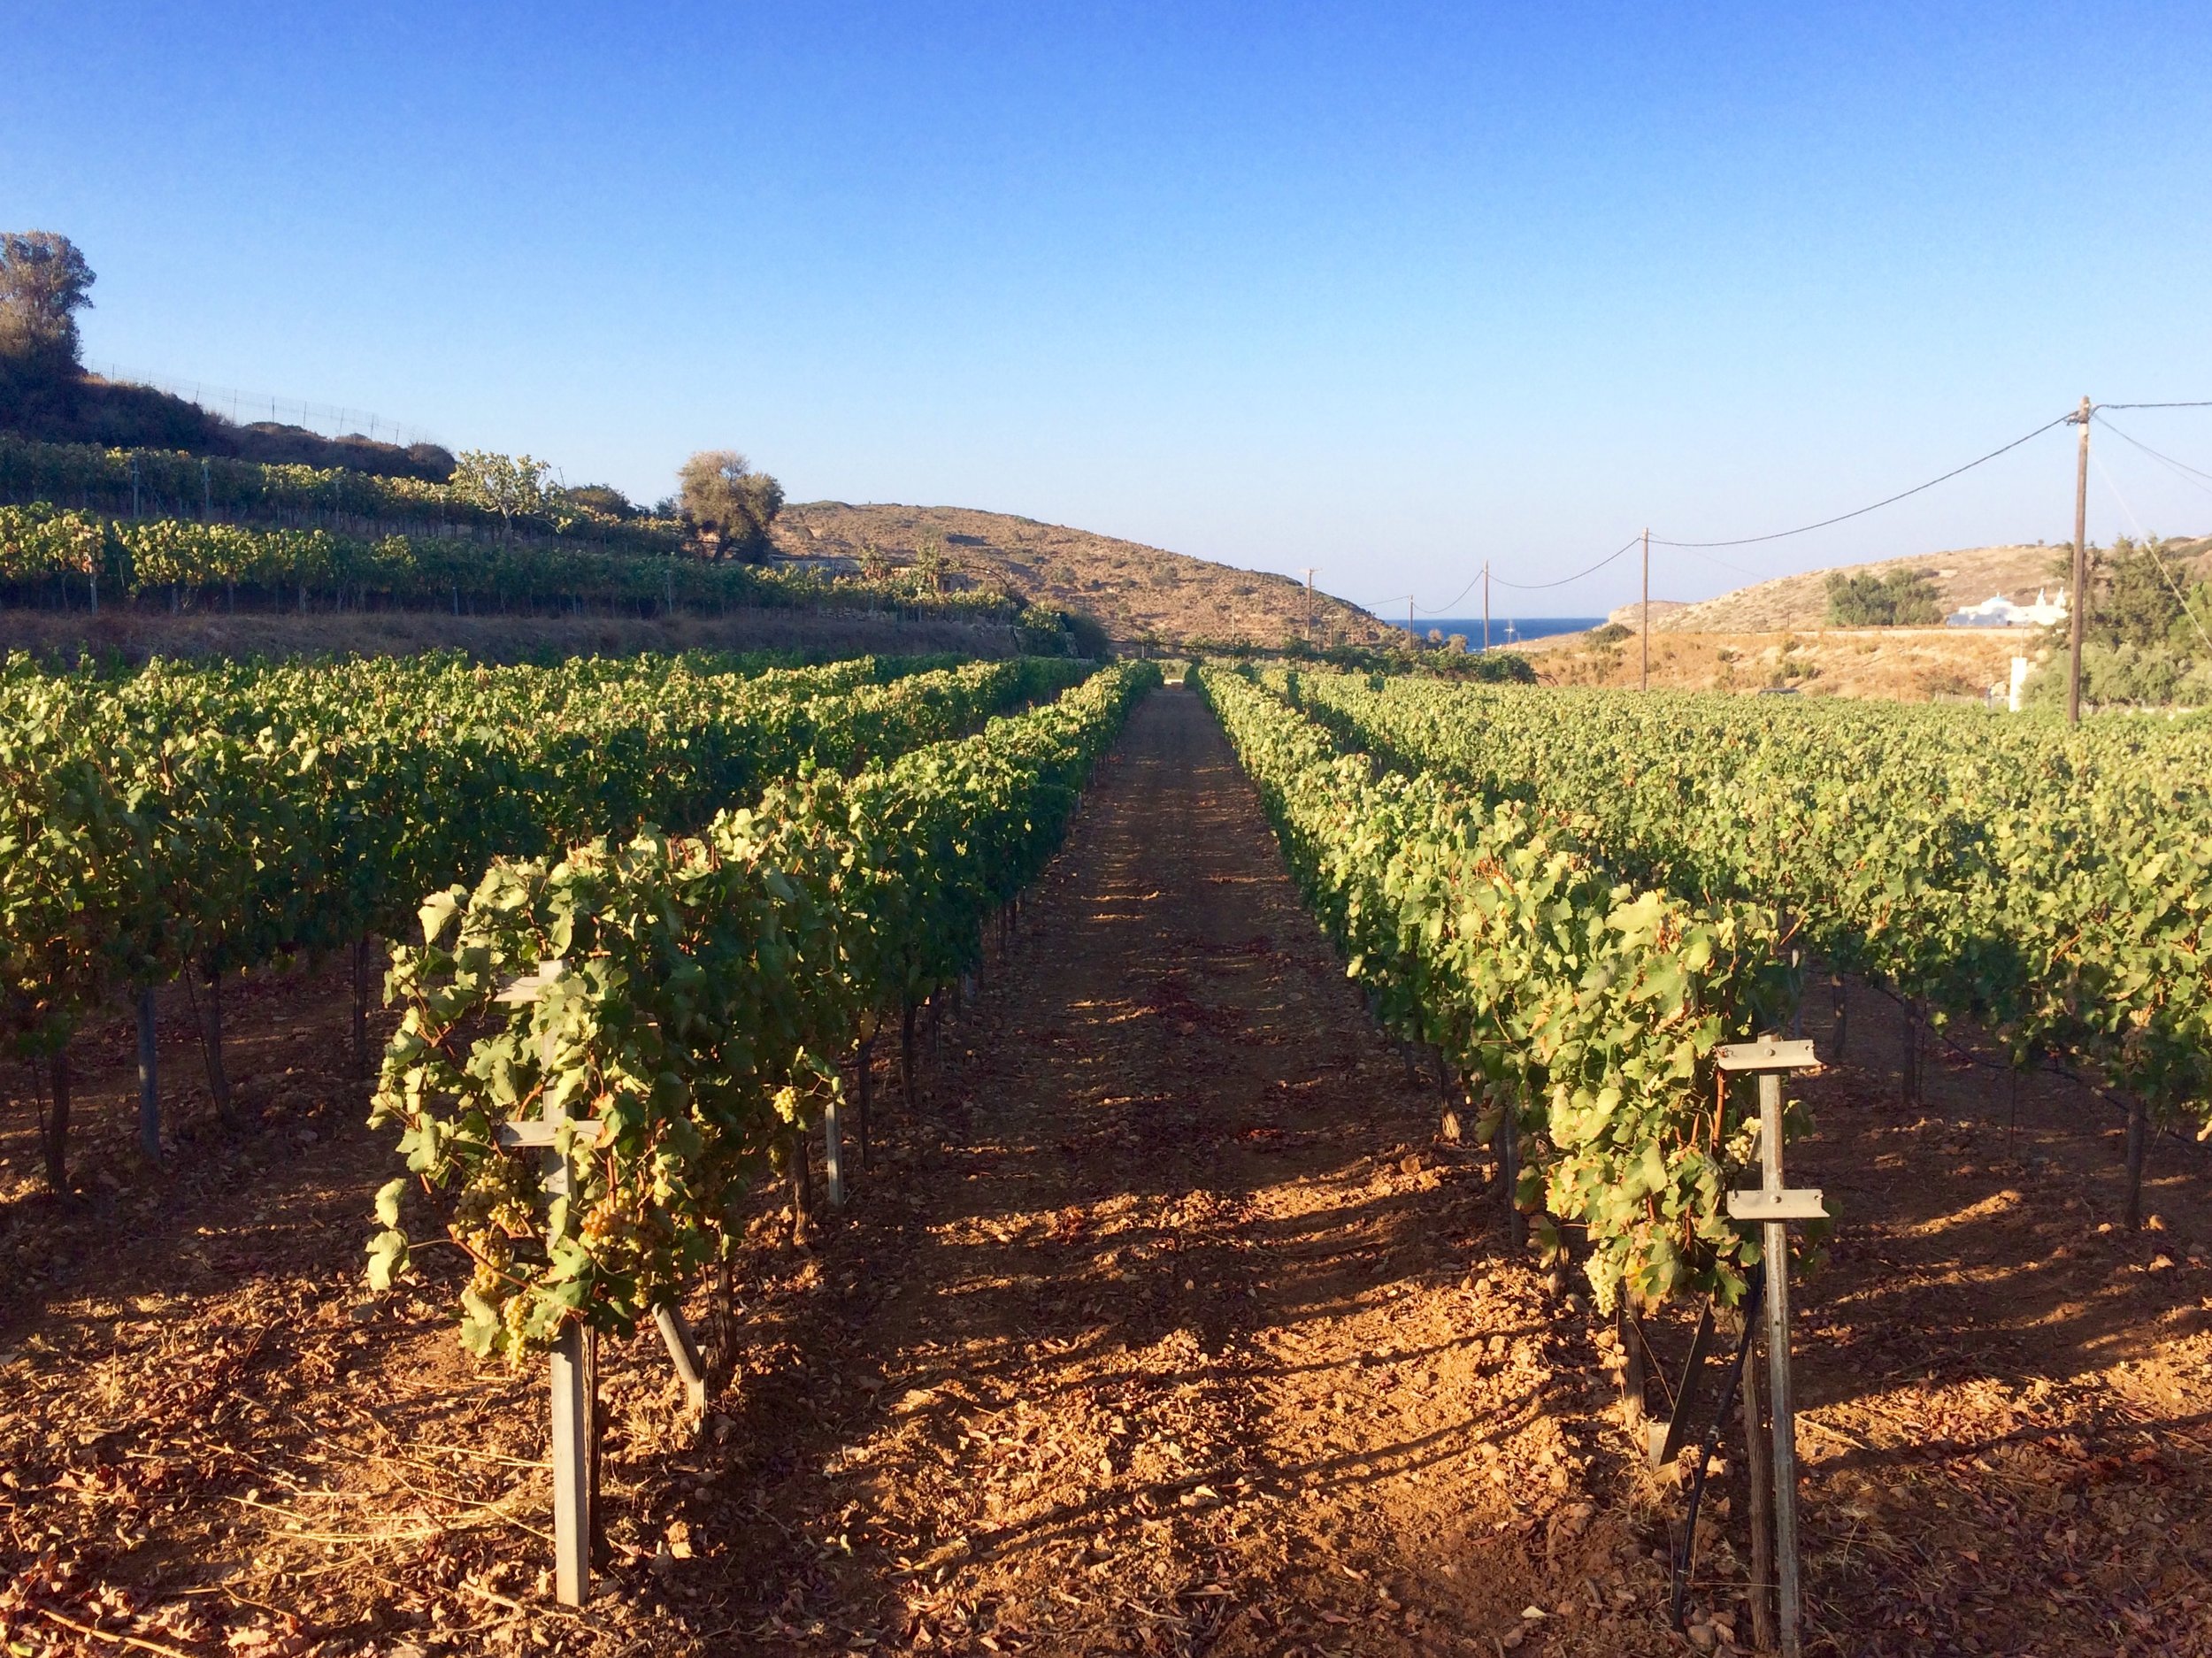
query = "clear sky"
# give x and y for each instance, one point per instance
(1385, 289)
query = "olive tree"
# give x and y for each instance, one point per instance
(729, 504)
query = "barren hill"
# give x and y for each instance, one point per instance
(1136, 593)
(1964, 576)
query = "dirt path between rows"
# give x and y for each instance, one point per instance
(1156, 1334)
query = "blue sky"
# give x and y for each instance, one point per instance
(1388, 290)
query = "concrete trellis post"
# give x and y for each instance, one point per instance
(572, 1372)
(572, 1367)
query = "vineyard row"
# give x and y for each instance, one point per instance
(678, 1009)
(171, 483)
(202, 821)
(2054, 886)
(1582, 1011)
(68, 557)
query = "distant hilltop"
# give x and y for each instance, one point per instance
(1140, 595)
(1965, 578)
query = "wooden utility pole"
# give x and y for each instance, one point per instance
(2076, 602)
(1486, 604)
(1647, 629)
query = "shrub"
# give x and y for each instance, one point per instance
(2123, 676)
(1903, 598)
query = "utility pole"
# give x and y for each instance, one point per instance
(1647, 629)
(2075, 603)
(1313, 616)
(1412, 638)
(1486, 604)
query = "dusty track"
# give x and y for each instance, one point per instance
(1155, 1337)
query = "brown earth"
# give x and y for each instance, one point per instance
(1166, 1323)
(1908, 664)
(2009, 1397)
(1140, 595)
(134, 635)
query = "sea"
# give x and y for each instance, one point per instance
(1506, 630)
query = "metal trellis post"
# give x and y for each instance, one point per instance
(1774, 1206)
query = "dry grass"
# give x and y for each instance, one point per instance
(1906, 664)
(1136, 592)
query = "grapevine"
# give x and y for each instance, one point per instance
(211, 819)
(1587, 1008)
(41, 546)
(689, 997)
(2054, 885)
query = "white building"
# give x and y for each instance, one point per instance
(1998, 611)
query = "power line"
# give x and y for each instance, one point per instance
(1537, 586)
(2167, 459)
(2149, 544)
(1709, 558)
(1446, 609)
(1859, 513)
(1701, 548)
